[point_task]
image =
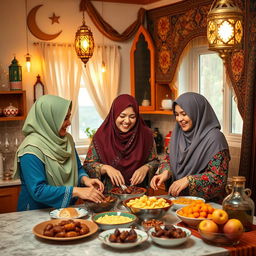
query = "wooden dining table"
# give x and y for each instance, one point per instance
(17, 238)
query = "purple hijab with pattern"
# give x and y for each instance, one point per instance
(190, 152)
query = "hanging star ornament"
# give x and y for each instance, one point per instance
(54, 18)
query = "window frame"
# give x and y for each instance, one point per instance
(193, 61)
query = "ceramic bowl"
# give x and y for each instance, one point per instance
(220, 238)
(170, 241)
(101, 207)
(141, 237)
(182, 201)
(133, 218)
(147, 214)
(137, 192)
(148, 224)
(191, 222)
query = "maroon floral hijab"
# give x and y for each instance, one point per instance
(124, 151)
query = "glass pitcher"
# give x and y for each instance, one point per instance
(238, 203)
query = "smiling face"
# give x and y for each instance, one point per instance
(126, 120)
(183, 119)
(66, 123)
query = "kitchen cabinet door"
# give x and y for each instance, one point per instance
(9, 198)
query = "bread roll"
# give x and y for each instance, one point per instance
(68, 213)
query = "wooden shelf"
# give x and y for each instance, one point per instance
(158, 112)
(18, 100)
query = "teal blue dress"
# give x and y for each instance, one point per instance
(36, 193)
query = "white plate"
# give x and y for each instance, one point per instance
(55, 213)
(170, 241)
(141, 237)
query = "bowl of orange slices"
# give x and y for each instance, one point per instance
(194, 213)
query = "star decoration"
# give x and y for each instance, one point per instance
(54, 18)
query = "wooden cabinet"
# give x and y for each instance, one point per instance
(9, 198)
(143, 87)
(18, 100)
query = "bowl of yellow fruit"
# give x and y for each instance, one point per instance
(146, 207)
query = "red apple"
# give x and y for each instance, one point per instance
(219, 216)
(233, 229)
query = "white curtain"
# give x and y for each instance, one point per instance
(62, 70)
(103, 86)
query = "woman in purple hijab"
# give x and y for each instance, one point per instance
(199, 155)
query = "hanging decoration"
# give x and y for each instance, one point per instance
(27, 56)
(107, 29)
(35, 30)
(224, 27)
(84, 42)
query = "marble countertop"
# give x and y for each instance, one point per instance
(17, 239)
(7, 183)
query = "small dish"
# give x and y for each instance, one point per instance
(39, 229)
(101, 207)
(55, 213)
(170, 241)
(142, 236)
(148, 224)
(103, 226)
(186, 201)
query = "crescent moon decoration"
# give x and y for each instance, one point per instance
(34, 29)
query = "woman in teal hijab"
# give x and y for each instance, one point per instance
(46, 161)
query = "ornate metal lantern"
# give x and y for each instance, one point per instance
(15, 75)
(84, 42)
(224, 27)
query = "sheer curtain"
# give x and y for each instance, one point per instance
(63, 71)
(103, 86)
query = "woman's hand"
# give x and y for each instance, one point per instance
(115, 176)
(139, 175)
(96, 183)
(158, 180)
(177, 186)
(89, 193)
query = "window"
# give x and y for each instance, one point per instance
(203, 71)
(85, 116)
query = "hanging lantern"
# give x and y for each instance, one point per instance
(15, 75)
(84, 43)
(224, 27)
(28, 61)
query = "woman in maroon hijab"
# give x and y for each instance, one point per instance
(123, 149)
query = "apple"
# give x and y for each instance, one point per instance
(219, 216)
(208, 228)
(233, 229)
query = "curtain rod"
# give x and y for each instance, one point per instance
(70, 44)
